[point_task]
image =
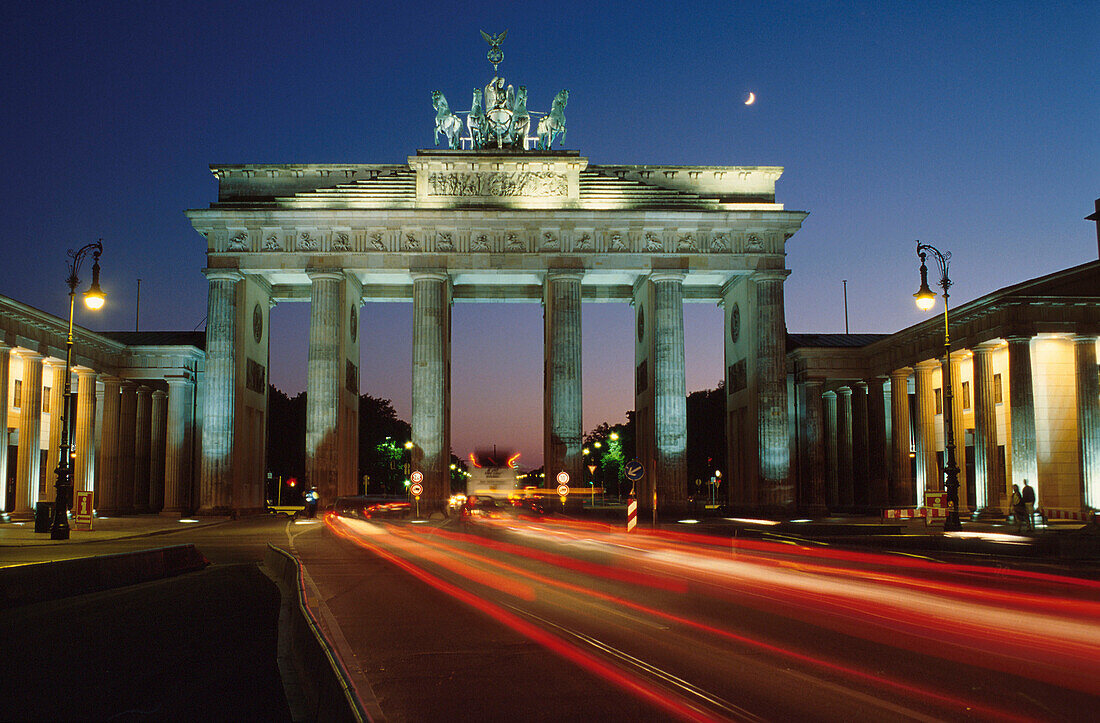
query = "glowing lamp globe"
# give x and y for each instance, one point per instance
(925, 298)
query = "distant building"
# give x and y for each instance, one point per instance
(867, 409)
(136, 402)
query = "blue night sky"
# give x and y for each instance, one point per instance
(972, 126)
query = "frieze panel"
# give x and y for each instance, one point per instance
(525, 184)
(341, 241)
(238, 241)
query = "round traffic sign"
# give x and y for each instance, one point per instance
(417, 489)
(417, 476)
(563, 489)
(634, 470)
(563, 478)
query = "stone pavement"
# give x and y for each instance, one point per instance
(20, 533)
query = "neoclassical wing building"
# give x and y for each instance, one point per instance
(457, 226)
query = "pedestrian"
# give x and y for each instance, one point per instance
(1028, 497)
(1018, 508)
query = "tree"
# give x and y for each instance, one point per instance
(382, 451)
(706, 435)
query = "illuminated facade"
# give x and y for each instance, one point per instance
(869, 408)
(494, 226)
(134, 401)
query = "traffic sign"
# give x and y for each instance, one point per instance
(592, 468)
(416, 477)
(563, 489)
(634, 470)
(563, 478)
(417, 489)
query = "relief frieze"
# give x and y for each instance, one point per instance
(529, 184)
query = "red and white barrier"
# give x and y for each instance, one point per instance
(902, 513)
(1082, 516)
(631, 514)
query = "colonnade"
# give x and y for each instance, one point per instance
(332, 421)
(130, 439)
(882, 436)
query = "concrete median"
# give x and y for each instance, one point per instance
(40, 582)
(325, 687)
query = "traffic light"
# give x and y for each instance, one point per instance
(292, 482)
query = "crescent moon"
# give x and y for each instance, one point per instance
(751, 99)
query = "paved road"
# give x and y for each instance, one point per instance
(672, 627)
(559, 621)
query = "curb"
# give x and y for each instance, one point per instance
(319, 675)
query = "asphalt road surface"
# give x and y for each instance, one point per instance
(546, 619)
(513, 619)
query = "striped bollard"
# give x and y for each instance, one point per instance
(631, 514)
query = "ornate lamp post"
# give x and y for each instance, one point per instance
(93, 299)
(926, 299)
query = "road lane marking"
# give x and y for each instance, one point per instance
(686, 689)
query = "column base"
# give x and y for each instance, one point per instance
(989, 513)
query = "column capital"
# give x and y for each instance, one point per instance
(1018, 337)
(564, 274)
(812, 382)
(179, 379)
(29, 354)
(985, 348)
(770, 275)
(326, 274)
(845, 391)
(142, 389)
(1084, 338)
(927, 365)
(222, 274)
(441, 276)
(901, 373)
(664, 275)
(159, 394)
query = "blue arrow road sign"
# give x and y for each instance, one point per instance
(634, 470)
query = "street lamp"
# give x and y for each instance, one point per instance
(926, 299)
(93, 299)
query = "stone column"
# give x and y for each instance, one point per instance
(988, 484)
(669, 385)
(127, 441)
(177, 453)
(107, 491)
(1021, 400)
(431, 383)
(771, 365)
(812, 408)
(1088, 417)
(28, 462)
(57, 414)
(84, 444)
(143, 438)
(844, 441)
(959, 427)
(878, 493)
(832, 473)
(324, 380)
(157, 439)
(5, 372)
(928, 468)
(861, 468)
(563, 426)
(901, 483)
(219, 391)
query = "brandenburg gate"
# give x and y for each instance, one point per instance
(498, 220)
